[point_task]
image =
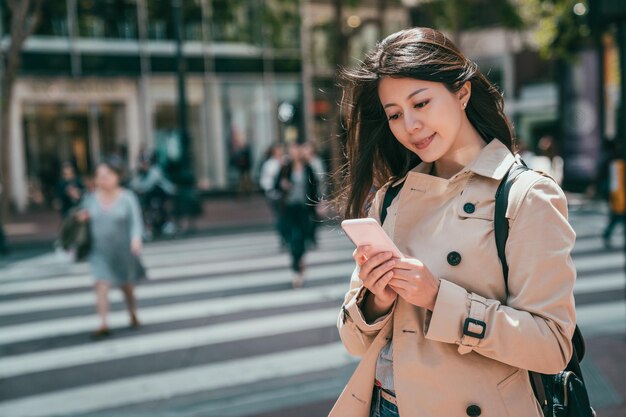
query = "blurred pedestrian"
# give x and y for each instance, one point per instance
(242, 160)
(4, 248)
(69, 189)
(548, 159)
(617, 198)
(298, 187)
(116, 228)
(155, 194)
(525, 153)
(426, 123)
(316, 164)
(269, 172)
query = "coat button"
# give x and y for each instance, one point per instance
(473, 410)
(454, 258)
(469, 208)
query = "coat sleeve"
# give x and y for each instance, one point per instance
(136, 221)
(534, 330)
(356, 333)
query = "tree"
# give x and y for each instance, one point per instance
(461, 15)
(25, 15)
(558, 30)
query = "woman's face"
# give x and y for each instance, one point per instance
(424, 116)
(106, 178)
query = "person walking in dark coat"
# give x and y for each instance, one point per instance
(297, 184)
(69, 190)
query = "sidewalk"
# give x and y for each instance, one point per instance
(220, 213)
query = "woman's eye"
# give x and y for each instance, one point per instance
(421, 104)
(393, 117)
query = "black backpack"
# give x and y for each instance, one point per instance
(560, 395)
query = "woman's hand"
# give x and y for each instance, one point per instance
(414, 282)
(82, 216)
(285, 184)
(376, 270)
(136, 246)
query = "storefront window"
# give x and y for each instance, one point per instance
(76, 133)
(168, 147)
(322, 46)
(251, 126)
(247, 130)
(116, 19)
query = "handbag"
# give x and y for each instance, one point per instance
(75, 235)
(563, 394)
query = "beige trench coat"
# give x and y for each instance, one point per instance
(439, 371)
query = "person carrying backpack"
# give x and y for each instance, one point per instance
(449, 329)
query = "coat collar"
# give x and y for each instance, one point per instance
(493, 161)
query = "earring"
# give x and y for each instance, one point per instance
(465, 104)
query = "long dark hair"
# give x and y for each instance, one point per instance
(373, 154)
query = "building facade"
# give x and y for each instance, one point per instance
(100, 77)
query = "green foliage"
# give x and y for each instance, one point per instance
(469, 14)
(558, 31)
(281, 23)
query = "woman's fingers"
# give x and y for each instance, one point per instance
(373, 263)
(398, 283)
(360, 254)
(409, 263)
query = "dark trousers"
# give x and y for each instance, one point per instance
(3, 244)
(614, 219)
(313, 223)
(297, 228)
(279, 220)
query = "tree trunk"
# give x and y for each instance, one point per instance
(25, 15)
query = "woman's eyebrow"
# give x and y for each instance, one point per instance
(419, 90)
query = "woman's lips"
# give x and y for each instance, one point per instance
(422, 144)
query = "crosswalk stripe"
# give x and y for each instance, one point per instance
(603, 282)
(177, 272)
(174, 312)
(165, 341)
(169, 289)
(589, 263)
(164, 385)
(175, 251)
(598, 283)
(605, 318)
(206, 335)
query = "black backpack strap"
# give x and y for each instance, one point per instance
(500, 222)
(390, 194)
(501, 232)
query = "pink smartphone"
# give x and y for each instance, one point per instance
(368, 232)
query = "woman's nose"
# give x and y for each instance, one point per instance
(412, 122)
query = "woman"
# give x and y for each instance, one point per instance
(297, 185)
(116, 230)
(437, 331)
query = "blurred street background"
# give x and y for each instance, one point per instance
(191, 95)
